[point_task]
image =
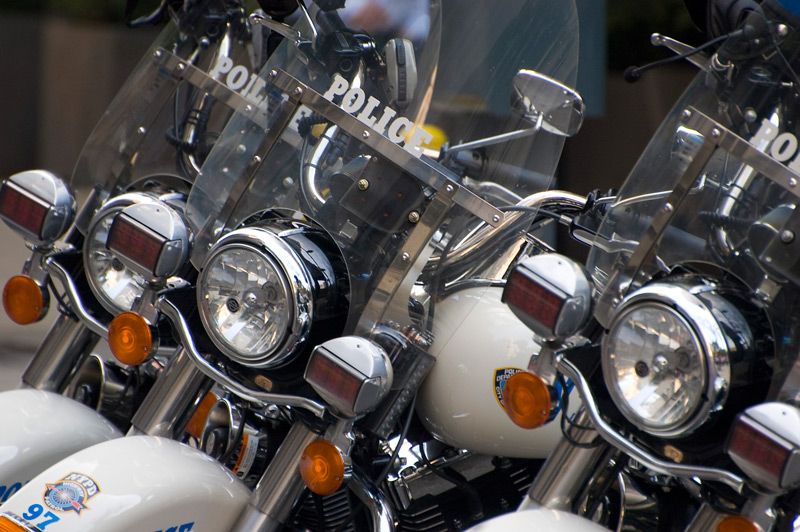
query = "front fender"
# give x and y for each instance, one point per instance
(38, 428)
(538, 519)
(136, 483)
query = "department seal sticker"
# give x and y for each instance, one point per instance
(71, 493)
(500, 377)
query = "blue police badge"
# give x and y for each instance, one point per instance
(71, 493)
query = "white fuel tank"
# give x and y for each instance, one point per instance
(137, 483)
(538, 519)
(478, 344)
(37, 429)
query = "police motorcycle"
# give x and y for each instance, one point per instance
(144, 153)
(680, 333)
(342, 301)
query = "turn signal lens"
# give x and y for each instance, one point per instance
(322, 467)
(527, 400)
(198, 421)
(130, 339)
(736, 523)
(7, 525)
(24, 300)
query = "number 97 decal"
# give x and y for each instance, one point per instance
(38, 517)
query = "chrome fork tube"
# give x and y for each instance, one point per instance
(561, 479)
(169, 405)
(66, 343)
(277, 493)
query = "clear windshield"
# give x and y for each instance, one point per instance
(716, 189)
(328, 140)
(169, 112)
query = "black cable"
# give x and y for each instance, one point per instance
(63, 307)
(633, 73)
(400, 441)
(566, 420)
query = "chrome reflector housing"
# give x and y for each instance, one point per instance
(258, 296)
(668, 352)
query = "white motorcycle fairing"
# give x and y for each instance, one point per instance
(137, 483)
(538, 519)
(460, 400)
(38, 428)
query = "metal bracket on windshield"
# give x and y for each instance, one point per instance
(714, 135)
(200, 79)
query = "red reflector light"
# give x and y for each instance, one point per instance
(324, 373)
(532, 299)
(134, 242)
(759, 450)
(22, 209)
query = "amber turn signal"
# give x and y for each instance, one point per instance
(24, 300)
(322, 467)
(527, 400)
(130, 338)
(736, 523)
(7, 525)
(198, 421)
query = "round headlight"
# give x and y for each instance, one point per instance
(666, 358)
(115, 285)
(255, 296)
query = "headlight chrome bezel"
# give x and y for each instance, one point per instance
(106, 214)
(297, 283)
(710, 321)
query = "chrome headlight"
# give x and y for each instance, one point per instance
(258, 296)
(115, 285)
(667, 356)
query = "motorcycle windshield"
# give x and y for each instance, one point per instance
(716, 189)
(167, 114)
(323, 135)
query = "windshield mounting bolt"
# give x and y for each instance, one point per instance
(157, 53)
(792, 182)
(715, 133)
(495, 218)
(783, 30)
(256, 159)
(668, 207)
(413, 217)
(365, 134)
(405, 257)
(142, 130)
(787, 236)
(363, 184)
(298, 91)
(449, 188)
(686, 115)
(750, 115)
(272, 74)
(181, 67)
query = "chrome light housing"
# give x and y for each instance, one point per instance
(151, 239)
(258, 296)
(37, 205)
(668, 352)
(116, 285)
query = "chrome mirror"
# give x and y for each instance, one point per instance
(547, 103)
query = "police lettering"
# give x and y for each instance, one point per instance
(781, 147)
(383, 120)
(239, 79)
